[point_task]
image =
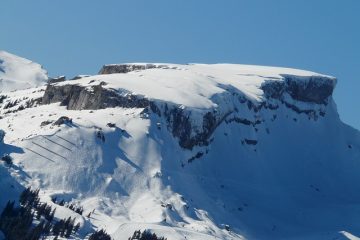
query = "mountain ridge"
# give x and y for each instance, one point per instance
(18, 73)
(102, 91)
(188, 151)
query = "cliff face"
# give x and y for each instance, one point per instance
(200, 146)
(314, 89)
(76, 97)
(193, 127)
(125, 68)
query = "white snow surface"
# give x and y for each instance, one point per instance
(18, 73)
(195, 85)
(299, 181)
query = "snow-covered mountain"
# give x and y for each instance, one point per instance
(194, 151)
(19, 73)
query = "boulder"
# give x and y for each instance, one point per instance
(63, 120)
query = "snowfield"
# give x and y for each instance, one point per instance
(273, 167)
(19, 73)
(195, 85)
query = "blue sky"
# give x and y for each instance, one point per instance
(73, 37)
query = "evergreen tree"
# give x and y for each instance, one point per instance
(76, 227)
(47, 227)
(36, 232)
(24, 196)
(100, 235)
(70, 227)
(58, 226)
(8, 210)
(145, 235)
(50, 217)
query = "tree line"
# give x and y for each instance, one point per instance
(17, 222)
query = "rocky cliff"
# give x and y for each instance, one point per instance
(302, 94)
(198, 147)
(125, 68)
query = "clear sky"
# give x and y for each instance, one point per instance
(70, 37)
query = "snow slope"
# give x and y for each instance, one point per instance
(273, 166)
(195, 85)
(19, 73)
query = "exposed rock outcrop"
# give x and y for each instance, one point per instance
(125, 68)
(314, 89)
(57, 79)
(189, 134)
(76, 97)
(180, 121)
(63, 120)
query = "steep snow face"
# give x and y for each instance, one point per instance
(18, 73)
(262, 153)
(287, 177)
